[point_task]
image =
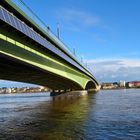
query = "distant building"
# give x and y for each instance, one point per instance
(122, 84)
(2, 90)
(133, 84)
(116, 85)
(107, 86)
(20, 90)
(8, 90)
(5, 90)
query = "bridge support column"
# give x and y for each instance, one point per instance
(94, 90)
(57, 92)
(70, 93)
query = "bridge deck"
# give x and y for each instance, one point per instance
(26, 48)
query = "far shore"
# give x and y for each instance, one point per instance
(17, 90)
(119, 88)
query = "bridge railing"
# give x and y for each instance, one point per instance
(43, 27)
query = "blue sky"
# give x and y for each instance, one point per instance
(95, 28)
(105, 33)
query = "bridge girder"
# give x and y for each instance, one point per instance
(32, 55)
(35, 67)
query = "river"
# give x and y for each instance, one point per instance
(106, 115)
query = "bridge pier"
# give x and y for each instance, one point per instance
(93, 90)
(57, 92)
(71, 93)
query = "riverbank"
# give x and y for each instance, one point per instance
(5, 90)
(121, 85)
(119, 88)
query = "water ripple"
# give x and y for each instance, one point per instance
(108, 115)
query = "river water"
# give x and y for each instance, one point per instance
(106, 115)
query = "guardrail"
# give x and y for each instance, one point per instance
(27, 10)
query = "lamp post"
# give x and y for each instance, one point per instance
(74, 51)
(58, 30)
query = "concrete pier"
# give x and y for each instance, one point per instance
(70, 93)
(78, 93)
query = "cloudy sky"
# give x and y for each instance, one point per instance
(107, 70)
(105, 33)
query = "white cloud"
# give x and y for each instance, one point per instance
(75, 19)
(115, 69)
(131, 63)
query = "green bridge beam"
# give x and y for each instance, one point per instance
(50, 64)
(25, 59)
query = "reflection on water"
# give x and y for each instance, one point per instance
(107, 115)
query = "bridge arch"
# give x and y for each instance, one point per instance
(90, 85)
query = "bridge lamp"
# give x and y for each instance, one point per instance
(58, 30)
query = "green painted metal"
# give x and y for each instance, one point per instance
(48, 34)
(27, 53)
(46, 62)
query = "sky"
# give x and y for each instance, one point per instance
(104, 33)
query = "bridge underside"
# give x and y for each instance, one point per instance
(12, 69)
(24, 59)
(22, 63)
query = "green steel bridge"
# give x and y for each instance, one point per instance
(30, 53)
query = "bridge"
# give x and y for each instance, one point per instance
(32, 54)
